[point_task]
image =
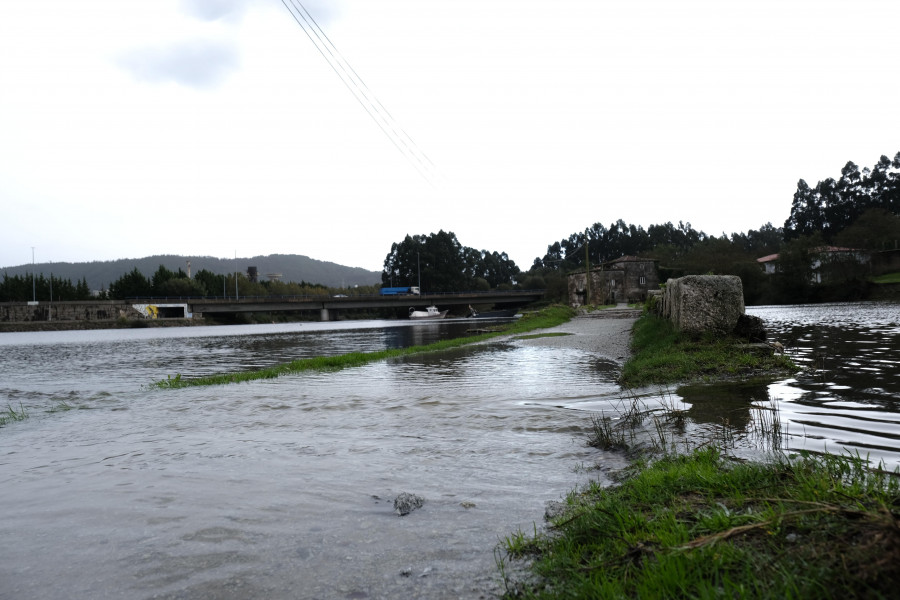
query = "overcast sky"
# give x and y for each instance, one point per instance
(216, 127)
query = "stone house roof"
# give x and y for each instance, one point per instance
(630, 259)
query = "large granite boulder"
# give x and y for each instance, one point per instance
(704, 303)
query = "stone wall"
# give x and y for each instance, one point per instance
(19, 312)
(701, 303)
(628, 279)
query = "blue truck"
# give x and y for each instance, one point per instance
(399, 291)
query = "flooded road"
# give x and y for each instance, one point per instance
(280, 488)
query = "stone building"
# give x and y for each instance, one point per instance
(626, 279)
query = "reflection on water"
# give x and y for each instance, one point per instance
(846, 398)
(724, 403)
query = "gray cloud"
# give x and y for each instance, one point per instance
(197, 64)
(206, 63)
(212, 10)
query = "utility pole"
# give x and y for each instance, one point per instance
(587, 273)
(33, 288)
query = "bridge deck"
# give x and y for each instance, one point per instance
(295, 303)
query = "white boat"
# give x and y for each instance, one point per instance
(429, 313)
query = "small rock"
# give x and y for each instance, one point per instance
(751, 328)
(467, 504)
(554, 510)
(406, 503)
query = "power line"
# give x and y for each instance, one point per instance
(360, 91)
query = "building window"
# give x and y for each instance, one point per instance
(643, 280)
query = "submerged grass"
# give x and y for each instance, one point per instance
(11, 415)
(640, 431)
(701, 526)
(660, 354)
(547, 317)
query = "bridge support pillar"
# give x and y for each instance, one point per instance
(323, 315)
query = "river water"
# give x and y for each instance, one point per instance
(847, 397)
(281, 488)
(844, 399)
(284, 488)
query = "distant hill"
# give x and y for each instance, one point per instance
(292, 267)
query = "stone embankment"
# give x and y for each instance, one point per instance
(109, 310)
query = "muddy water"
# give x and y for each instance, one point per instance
(281, 488)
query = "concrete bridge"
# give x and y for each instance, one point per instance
(185, 307)
(326, 305)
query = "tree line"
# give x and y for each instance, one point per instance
(439, 263)
(832, 206)
(163, 283)
(22, 288)
(861, 210)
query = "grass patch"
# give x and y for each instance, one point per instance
(887, 278)
(11, 415)
(660, 354)
(547, 317)
(702, 526)
(61, 406)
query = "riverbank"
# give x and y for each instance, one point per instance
(690, 520)
(702, 526)
(663, 355)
